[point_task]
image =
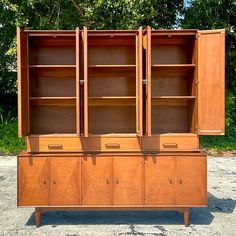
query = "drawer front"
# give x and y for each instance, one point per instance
(170, 143)
(52, 144)
(111, 144)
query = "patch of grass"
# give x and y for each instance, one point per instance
(9, 141)
(218, 143)
(11, 144)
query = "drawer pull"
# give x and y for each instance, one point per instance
(54, 146)
(170, 145)
(113, 145)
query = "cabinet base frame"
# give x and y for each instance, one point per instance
(39, 211)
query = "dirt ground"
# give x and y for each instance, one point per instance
(219, 218)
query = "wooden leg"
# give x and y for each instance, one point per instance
(186, 217)
(37, 216)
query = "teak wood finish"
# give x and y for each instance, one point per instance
(112, 118)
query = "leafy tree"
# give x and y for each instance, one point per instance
(69, 14)
(211, 14)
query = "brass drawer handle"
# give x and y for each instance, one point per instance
(170, 145)
(113, 145)
(54, 146)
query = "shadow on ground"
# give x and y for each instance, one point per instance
(198, 216)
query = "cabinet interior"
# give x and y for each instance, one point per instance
(111, 84)
(52, 83)
(173, 83)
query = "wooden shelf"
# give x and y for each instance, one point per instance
(173, 97)
(170, 66)
(112, 101)
(172, 100)
(112, 71)
(53, 101)
(52, 66)
(112, 66)
(52, 71)
(171, 69)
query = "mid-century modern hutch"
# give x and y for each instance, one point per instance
(112, 118)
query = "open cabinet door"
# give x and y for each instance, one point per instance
(139, 87)
(22, 74)
(211, 64)
(85, 82)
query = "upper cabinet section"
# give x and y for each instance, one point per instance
(185, 81)
(48, 69)
(112, 82)
(170, 74)
(120, 82)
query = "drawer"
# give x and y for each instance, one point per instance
(170, 142)
(112, 144)
(51, 144)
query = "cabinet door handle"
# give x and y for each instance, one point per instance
(170, 145)
(54, 146)
(113, 145)
(44, 181)
(180, 181)
(54, 181)
(117, 181)
(170, 181)
(108, 182)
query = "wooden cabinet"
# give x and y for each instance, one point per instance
(185, 74)
(112, 82)
(48, 180)
(112, 118)
(175, 180)
(112, 180)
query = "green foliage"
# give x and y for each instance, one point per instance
(211, 14)
(9, 141)
(108, 14)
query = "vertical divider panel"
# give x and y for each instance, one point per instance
(148, 78)
(77, 84)
(85, 49)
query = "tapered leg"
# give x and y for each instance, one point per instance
(186, 217)
(37, 216)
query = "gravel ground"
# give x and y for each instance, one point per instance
(219, 218)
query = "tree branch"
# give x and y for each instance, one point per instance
(78, 7)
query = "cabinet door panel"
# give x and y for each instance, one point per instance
(96, 180)
(191, 180)
(22, 83)
(159, 181)
(64, 181)
(127, 179)
(211, 54)
(32, 181)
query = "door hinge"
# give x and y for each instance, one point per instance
(196, 82)
(144, 81)
(81, 82)
(197, 127)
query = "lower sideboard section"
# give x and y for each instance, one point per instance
(157, 180)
